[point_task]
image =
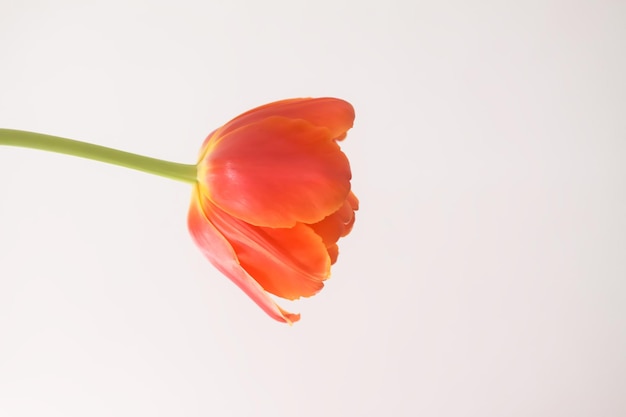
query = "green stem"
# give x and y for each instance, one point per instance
(172, 170)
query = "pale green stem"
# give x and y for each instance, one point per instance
(172, 170)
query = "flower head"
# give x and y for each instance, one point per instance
(273, 198)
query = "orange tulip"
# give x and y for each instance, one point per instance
(273, 198)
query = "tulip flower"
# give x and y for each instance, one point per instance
(271, 194)
(273, 197)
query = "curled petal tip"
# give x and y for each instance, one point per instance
(290, 318)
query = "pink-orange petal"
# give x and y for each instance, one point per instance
(333, 252)
(336, 225)
(353, 201)
(290, 263)
(277, 172)
(221, 254)
(332, 113)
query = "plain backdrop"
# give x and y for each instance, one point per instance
(486, 272)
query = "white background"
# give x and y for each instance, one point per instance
(486, 272)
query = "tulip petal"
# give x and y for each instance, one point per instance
(336, 225)
(333, 253)
(290, 263)
(334, 114)
(221, 254)
(353, 201)
(277, 172)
